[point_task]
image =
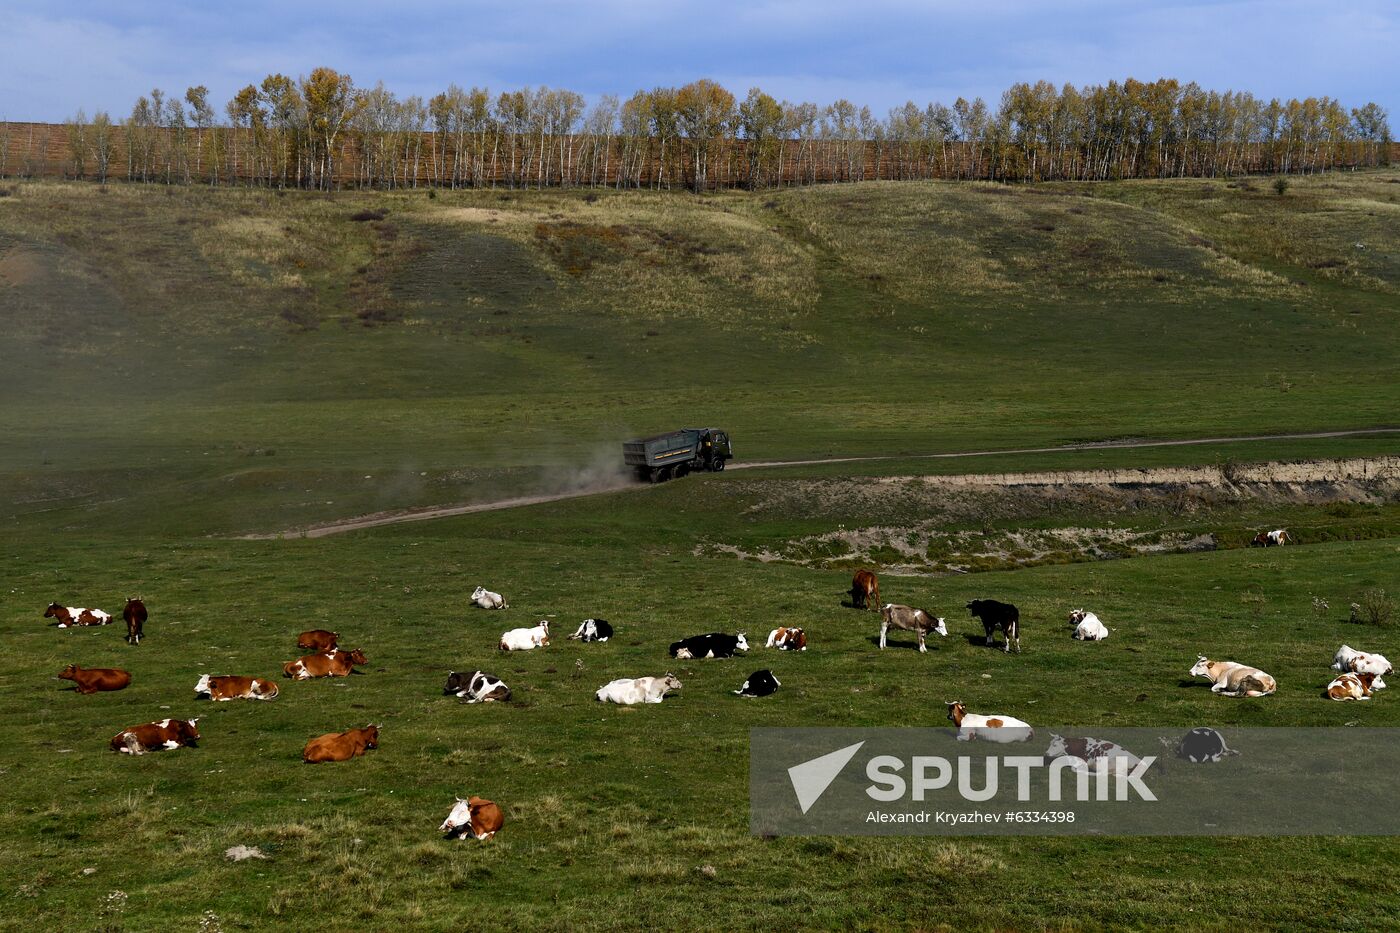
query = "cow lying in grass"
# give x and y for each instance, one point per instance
(760, 684)
(787, 639)
(1351, 687)
(88, 680)
(1231, 679)
(475, 818)
(1090, 754)
(486, 599)
(911, 620)
(163, 735)
(477, 687)
(593, 630)
(988, 728)
(712, 645)
(335, 663)
(1349, 660)
(71, 617)
(524, 639)
(628, 691)
(341, 746)
(1087, 626)
(318, 639)
(235, 688)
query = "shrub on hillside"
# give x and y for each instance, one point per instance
(1281, 185)
(1374, 608)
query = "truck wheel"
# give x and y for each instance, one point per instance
(658, 475)
(718, 466)
(681, 469)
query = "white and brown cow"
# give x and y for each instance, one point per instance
(230, 687)
(72, 617)
(1232, 679)
(156, 736)
(474, 818)
(1351, 687)
(1349, 660)
(1089, 754)
(994, 728)
(787, 639)
(629, 691)
(911, 620)
(335, 663)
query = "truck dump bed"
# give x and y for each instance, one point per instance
(661, 449)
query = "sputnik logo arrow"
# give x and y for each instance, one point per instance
(811, 778)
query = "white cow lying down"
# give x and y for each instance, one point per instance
(628, 691)
(988, 728)
(1349, 660)
(1087, 626)
(523, 639)
(1232, 679)
(486, 599)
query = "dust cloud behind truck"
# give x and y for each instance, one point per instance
(690, 450)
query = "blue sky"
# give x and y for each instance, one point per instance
(57, 57)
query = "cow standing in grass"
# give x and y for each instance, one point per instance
(996, 615)
(134, 614)
(865, 590)
(911, 620)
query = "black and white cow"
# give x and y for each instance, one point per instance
(712, 645)
(479, 687)
(1201, 745)
(996, 615)
(593, 630)
(760, 684)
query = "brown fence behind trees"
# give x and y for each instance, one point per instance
(319, 132)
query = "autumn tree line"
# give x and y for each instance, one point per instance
(320, 131)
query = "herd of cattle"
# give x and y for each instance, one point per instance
(1359, 675)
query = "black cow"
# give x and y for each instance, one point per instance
(1203, 745)
(479, 687)
(713, 645)
(995, 615)
(760, 684)
(594, 630)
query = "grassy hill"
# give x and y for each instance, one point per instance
(184, 366)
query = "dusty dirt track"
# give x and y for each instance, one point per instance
(1302, 472)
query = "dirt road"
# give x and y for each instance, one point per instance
(419, 515)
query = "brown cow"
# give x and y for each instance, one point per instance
(341, 746)
(478, 818)
(331, 664)
(318, 639)
(235, 688)
(95, 679)
(135, 616)
(865, 590)
(156, 736)
(68, 616)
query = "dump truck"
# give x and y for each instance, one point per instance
(663, 456)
